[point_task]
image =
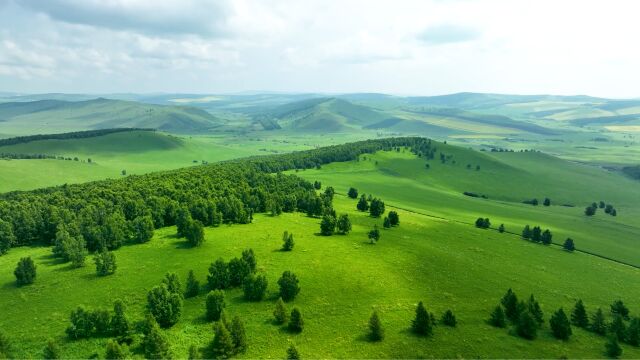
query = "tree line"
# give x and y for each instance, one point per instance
(69, 135)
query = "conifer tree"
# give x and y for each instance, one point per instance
(526, 326)
(222, 346)
(579, 315)
(376, 332)
(296, 323)
(289, 287)
(501, 228)
(526, 232)
(292, 353)
(612, 348)
(618, 328)
(280, 312)
(362, 205)
(510, 303)
(497, 317)
(344, 224)
(119, 323)
(534, 309)
(328, 225)
(560, 325)
(250, 258)
(619, 308)
(154, 343)
(238, 335)
(569, 245)
(287, 241)
(218, 277)
(193, 285)
(25, 271)
(214, 305)
(449, 319)
(422, 324)
(598, 324)
(546, 237)
(394, 218)
(633, 332)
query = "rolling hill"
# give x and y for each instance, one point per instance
(47, 116)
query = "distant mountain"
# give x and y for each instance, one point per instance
(59, 116)
(468, 100)
(326, 114)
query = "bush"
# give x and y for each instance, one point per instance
(119, 324)
(214, 304)
(105, 263)
(376, 332)
(376, 209)
(280, 312)
(82, 324)
(296, 323)
(249, 257)
(289, 287)
(255, 287)
(292, 353)
(165, 306)
(25, 272)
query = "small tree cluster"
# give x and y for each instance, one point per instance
(537, 235)
(526, 317)
(227, 275)
(164, 301)
(91, 323)
(483, 223)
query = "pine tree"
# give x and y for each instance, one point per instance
(569, 245)
(51, 350)
(25, 272)
(526, 233)
(376, 332)
(222, 346)
(560, 325)
(238, 335)
(546, 237)
(172, 281)
(449, 319)
(612, 348)
(619, 308)
(534, 309)
(115, 351)
(536, 234)
(386, 223)
(422, 324)
(292, 353)
(598, 324)
(254, 287)
(250, 258)
(193, 285)
(296, 323)
(214, 305)
(579, 316)
(287, 241)
(526, 326)
(280, 312)
(497, 317)
(510, 303)
(618, 328)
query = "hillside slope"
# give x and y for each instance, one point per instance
(47, 116)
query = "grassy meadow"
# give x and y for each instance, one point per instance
(447, 265)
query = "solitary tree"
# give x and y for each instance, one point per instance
(376, 332)
(193, 285)
(497, 318)
(374, 235)
(422, 324)
(280, 312)
(569, 245)
(105, 263)
(296, 323)
(344, 224)
(449, 319)
(287, 241)
(560, 325)
(289, 287)
(25, 272)
(214, 304)
(353, 193)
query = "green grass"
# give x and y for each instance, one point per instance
(507, 179)
(343, 278)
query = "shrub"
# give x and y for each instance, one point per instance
(214, 304)
(289, 287)
(25, 272)
(115, 351)
(222, 346)
(287, 241)
(280, 312)
(238, 335)
(255, 287)
(51, 350)
(154, 344)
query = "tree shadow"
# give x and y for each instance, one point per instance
(11, 285)
(184, 245)
(50, 260)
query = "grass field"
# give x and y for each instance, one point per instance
(507, 179)
(343, 278)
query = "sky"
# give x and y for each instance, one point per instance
(422, 47)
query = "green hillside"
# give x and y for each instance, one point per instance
(507, 179)
(47, 116)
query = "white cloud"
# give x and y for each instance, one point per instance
(539, 46)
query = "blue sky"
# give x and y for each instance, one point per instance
(399, 47)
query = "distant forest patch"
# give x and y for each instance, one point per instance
(632, 171)
(69, 135)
